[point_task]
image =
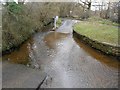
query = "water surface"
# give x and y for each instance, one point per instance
(68, 62)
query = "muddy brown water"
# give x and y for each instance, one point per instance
(21, 55)
(98, 55)
(53, 37)
(68, 62)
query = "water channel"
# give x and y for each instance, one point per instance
(68, 62)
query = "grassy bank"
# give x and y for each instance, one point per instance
(99, 29)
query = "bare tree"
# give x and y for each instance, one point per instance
(87, 3)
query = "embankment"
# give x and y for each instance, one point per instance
(104, 47)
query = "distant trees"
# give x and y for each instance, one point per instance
(65, 9)
(86, 3)
(111, 12)
(107, 10)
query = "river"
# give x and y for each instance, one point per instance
(68, 62)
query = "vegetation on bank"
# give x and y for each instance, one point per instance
(59, 22)
(21, 20)
(99, 29)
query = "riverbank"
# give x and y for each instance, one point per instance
(7, 48)
(99, 35)
(20, 21)
(11, 46)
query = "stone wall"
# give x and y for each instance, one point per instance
(104, 47)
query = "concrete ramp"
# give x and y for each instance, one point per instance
(67, 26)
(20, 76)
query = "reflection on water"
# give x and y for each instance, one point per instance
(107, 60)
(52, 38)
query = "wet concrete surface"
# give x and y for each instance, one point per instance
(20, 76)
(70, 63)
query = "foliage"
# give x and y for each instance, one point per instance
(15, 24)
(59, 22)
(14, 8)
(21, 20)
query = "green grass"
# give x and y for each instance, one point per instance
(59, 22)
(95, 30)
